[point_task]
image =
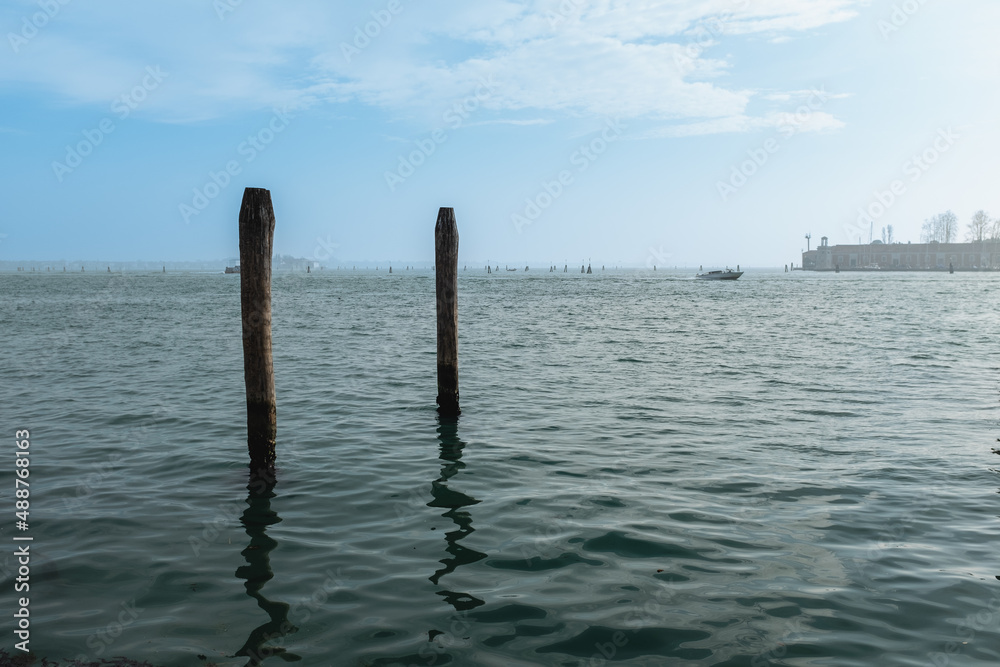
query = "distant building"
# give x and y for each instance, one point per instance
(983, 255)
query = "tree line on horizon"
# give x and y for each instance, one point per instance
(944, 228)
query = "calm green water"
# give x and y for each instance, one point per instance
(649, 470)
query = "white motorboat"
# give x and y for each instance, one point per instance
(728, 274)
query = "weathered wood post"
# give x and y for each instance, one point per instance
(256, 239)
(446, 264)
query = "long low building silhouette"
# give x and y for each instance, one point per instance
(878, 256)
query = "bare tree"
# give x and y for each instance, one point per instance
(943, 227)
(930, 232)
(889, 230)
(980, 228)
(950, 222)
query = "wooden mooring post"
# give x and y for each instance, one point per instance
(256, 242)
(446, 264)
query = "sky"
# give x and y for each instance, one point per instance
(622, 132)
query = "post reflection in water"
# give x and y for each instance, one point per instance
(257, 572)
(454, 501)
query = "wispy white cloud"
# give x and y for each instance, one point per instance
(511, 121)
(807, 95)
(621, 58)
(607, 58)
(816, 121)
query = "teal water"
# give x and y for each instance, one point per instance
(794, 469)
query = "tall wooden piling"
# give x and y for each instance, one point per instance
(446, 263)
(256, 242)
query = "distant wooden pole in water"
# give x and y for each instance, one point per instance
(446, 257)
(256, 244)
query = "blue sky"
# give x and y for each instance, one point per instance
(636, 132)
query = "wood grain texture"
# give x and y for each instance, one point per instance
(256, 242)
(446, 266)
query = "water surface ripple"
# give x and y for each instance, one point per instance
(649, 470)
